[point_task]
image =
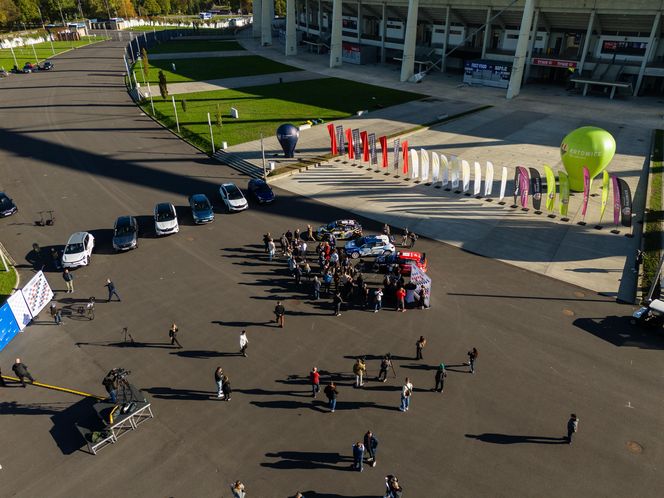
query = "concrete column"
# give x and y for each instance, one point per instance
(291, 37)
(306, 15)
(383, 34)
(531, 44)
(586, 41)
(258, 15)
(514, 87)
(320, 18)
(408, 57)
(359, 22)
(266, 24)
(446, 39)
(487, 32)
(335, 40)
(650, 49)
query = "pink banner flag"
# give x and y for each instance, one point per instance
(616, 200)
(365, 146)
(404, 148)
(586, 191)
(524, 184)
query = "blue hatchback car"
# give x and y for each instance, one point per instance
(201, 208)
(260, 191)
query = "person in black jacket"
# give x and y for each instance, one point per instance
(440, 378)
(226, 387)
(21, 371)
(331, 393)
(371, 444)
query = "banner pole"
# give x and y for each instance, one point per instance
(211, 134)
(175, 110)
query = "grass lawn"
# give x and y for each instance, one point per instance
(187, 31)
(211, 68)
(177, 46)
(262, 109)
(43, 50)
(654, 218)
(7, 283)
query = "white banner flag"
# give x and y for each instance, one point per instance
(424, 165)
(477, 179)
(435, 167)
(465, 168)
(454, 170)
(503, 183)
(37, 293)
(488, 179)
(414, 164)
(19, 309)
(445, 170)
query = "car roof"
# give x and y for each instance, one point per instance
(382, 238)
(77, 238)
(257, 181)
(163, 206)
(226, 185)
(199, 197)
(124, 220)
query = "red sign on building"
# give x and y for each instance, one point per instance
(554, 63)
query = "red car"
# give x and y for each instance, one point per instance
(407, 258)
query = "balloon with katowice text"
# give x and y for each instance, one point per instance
(589, 147)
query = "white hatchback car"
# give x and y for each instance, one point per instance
(78, 250)
(165, 219)
(233, 197)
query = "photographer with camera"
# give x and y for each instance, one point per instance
(110, 382)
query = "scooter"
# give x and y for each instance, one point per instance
(44, 220)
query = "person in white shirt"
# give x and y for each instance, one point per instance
(244, 343)
(406, 393)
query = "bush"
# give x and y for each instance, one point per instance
(163, 86)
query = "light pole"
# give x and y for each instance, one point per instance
(175, 109)
(14, 56)
(263, 156)
(211, 134)
(48, 34)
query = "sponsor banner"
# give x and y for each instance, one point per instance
(37, 293)
(625, 203)
(333, 139)
(524, 185)
(372, 149)
(404, 149)
(435, 167)
(550, 188)
(357, 144)
(397, 151)
(563, 181)
(445, 170)
(517, 185)
(503, 183)
(349, 143)
(605, 193)
(616, 200)
(586, 191)
(340, 140)
(383, 150)
(538, 61)
(488, 179)
(454, 166)
(477, 179)
(536, 188)
(414, 164)
(424, 164)
(423, 282)
(8, 326)
(365, 146)
(20, 309)
(465, 171)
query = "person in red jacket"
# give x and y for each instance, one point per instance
(401, 295)
(314, 377)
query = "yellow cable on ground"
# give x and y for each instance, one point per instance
(57, 388)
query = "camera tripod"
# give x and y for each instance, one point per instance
(125, 334)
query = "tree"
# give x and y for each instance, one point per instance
(145, 64)
(152, 7)
(217, 116)
(28, 10)
(8, 12)
(163, 86)
(165, 6)
(280, 8)
(183, 103)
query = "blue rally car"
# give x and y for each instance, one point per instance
(201, 208)
(370, 246)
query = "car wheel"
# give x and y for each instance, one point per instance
(355, 255)
(387, 253)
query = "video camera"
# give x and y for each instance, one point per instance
(118, 374)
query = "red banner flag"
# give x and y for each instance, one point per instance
(365, 146)
(333, 139)
(383, 148)
(349, 143)
(404, 148)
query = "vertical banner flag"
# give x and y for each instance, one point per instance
(550, 188)
(397, 151)
(383, 150)
(625, 203)
(333, 139)
(424, 165)
(414, 164)
(466, 175)
(488, 179)
(404, 148)
(372, 149)
(8, 326)
(616, 200)
(444, 165)
(435, 167)
(605, 194)
(356, 143)
(503, 183)
(524, 185)
(423, 283)
(586, 191)
(477, 179)
(365, 146)
(454, 170)
(340, 140)
(536, 188)
(349, 143)
(517, 185)
(563, 181)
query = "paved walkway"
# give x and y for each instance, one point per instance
(198, 55)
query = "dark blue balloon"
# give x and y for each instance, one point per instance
(287, 134)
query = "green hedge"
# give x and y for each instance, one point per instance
(654, 219)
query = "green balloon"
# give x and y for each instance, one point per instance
(587, 146)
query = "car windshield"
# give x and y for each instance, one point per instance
(263, 187)
(74, 248)
(201, 205)
(124, 230)
(234, 193)
(5, 202)
(361, 241)
(165, 214)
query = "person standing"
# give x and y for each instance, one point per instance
(419, 346)
(371, 444)
(297, 273)
(472, 359)
(110, 383)
(314, 378)
(244, 343)
(69, 280)
(316, 285)
(440, 378)
(271, 249)
(358, 456)
(310, 233)
(413, 238)
(385, 364)
(394, 489)
(173, 335)
(237, 489)
(337, 301)
(21, 371)
(219, 379)
(359, 369)
(386, 229)
(112, 291)
(572, 427)
(378, 300)
(401, 296)
(331, 393)
(404, 238)
(406, 393)
(266, 240)
(279, 312)
(226, 387)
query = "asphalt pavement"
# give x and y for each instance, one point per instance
(71, 140)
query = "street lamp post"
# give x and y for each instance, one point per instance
(263, 156)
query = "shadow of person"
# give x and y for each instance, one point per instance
(309, 460)
(489, 437)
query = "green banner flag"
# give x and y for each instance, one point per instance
(605, 193)
(550, 188)
(563, 179)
